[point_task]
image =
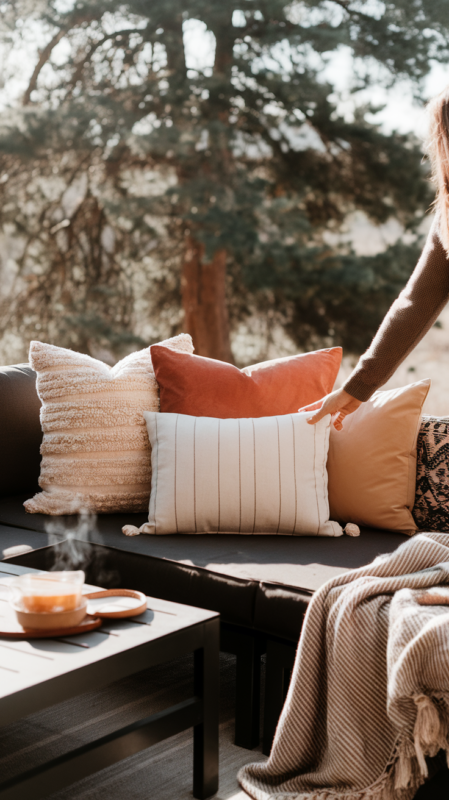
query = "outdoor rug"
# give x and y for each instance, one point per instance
(369, 696)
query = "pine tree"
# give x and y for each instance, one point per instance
(233, 174)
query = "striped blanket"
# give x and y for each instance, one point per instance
(369, 696)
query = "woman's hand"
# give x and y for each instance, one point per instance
(339, 404)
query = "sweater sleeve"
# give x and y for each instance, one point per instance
(407, 322)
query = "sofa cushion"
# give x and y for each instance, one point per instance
(372, 460)
(105, 566)
(95, 449)
(11, 537)
(250, 476)
(205, 387)
(12, 512)
(279, 610)
(20, 430)
(263, 582)
(431, 509)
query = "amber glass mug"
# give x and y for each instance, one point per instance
(49, 600)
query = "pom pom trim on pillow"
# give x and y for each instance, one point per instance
(264, 475)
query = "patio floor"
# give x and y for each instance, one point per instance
(164, 772)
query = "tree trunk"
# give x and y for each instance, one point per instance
(206, 315)
(204, 302)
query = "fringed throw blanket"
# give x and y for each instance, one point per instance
(369, 696)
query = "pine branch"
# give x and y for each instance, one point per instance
(82, 63)
(43, 58)
(45, 55)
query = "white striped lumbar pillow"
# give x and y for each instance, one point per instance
(265, 475)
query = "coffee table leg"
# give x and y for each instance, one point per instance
(205, 735)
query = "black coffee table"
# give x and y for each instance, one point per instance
(37, 673)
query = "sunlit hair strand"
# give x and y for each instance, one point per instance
(438, 149)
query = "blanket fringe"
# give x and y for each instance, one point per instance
(401, 779)
(430, 731)
(404, 766)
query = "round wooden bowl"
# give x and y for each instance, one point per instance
(109, 612)
(53, 620)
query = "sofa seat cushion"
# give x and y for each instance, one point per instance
(279, 610)
(304, 562)
(234, 599)
(263, 582)
(12, 537)
(13, 513)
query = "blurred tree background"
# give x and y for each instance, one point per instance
(141, 196)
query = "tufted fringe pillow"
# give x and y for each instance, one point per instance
(95, 450)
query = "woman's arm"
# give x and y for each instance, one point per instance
(407, 321)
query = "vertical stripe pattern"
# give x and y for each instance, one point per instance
(240, 478)
(218, 475)
(194, 475)
(155, 458)
(280, 483)
(255, 481)
(316, 468)
(265, 475)
(175, 465)
(294, 474)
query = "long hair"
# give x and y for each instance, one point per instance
(438, 149)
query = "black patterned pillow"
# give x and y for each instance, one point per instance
(431, 509)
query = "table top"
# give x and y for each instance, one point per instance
(26, 665)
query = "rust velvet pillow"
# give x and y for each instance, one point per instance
(203, 387)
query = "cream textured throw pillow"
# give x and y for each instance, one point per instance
(265, 475)
(95, 450)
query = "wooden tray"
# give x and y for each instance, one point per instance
(134, 611)
(10, 629)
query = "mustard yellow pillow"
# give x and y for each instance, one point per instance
(372, 461)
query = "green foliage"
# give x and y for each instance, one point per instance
(333, 297)
(249, 154)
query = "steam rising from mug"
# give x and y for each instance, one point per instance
(72, 537)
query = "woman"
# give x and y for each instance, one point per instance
(418, 305)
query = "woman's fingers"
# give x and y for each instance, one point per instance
(337, 421)
(311, 406)
(338, 404)
(322, 412)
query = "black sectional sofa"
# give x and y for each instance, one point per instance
(261, 585)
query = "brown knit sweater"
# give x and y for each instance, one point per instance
(407, 321)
